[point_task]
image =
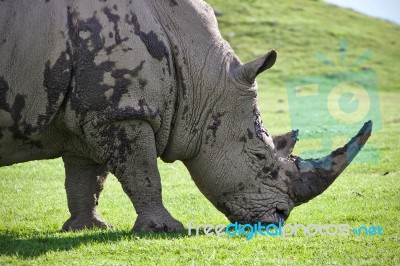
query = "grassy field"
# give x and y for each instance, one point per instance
(33, 201)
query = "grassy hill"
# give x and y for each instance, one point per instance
(300, 29)
(32, 195)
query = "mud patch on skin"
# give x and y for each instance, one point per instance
(143, 83)
(115, 152)
(270, 172)
(216, 122)
(249, 134)
(20, 129)
(143, 112)
(274, 174)
(154, 46)
(185, 111)
(113, 18)
(122, 83)
(213, 127)
(260, 130)
(110, 48)
(56, 81)
(89, 92)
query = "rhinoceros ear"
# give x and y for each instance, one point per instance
(255, 67)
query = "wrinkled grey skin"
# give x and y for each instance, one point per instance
(111, 85)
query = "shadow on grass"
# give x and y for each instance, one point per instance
(31, 247)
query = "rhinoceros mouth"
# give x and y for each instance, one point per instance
(276, 217)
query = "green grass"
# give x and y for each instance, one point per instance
(33, 201)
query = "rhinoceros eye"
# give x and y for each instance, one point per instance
(260, 156)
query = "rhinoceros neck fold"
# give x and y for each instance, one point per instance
(201, 59)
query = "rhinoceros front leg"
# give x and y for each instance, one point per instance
(134, 163)
(83, 183)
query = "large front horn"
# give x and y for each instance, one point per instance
(313, 176)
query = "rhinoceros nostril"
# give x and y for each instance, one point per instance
(281, 215)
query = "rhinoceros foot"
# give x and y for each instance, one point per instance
(157, 223)
(80, 223)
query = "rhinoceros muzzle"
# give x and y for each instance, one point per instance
(276, 217)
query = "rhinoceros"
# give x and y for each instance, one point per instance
(110, 86)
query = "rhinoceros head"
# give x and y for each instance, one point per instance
(251, 176)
